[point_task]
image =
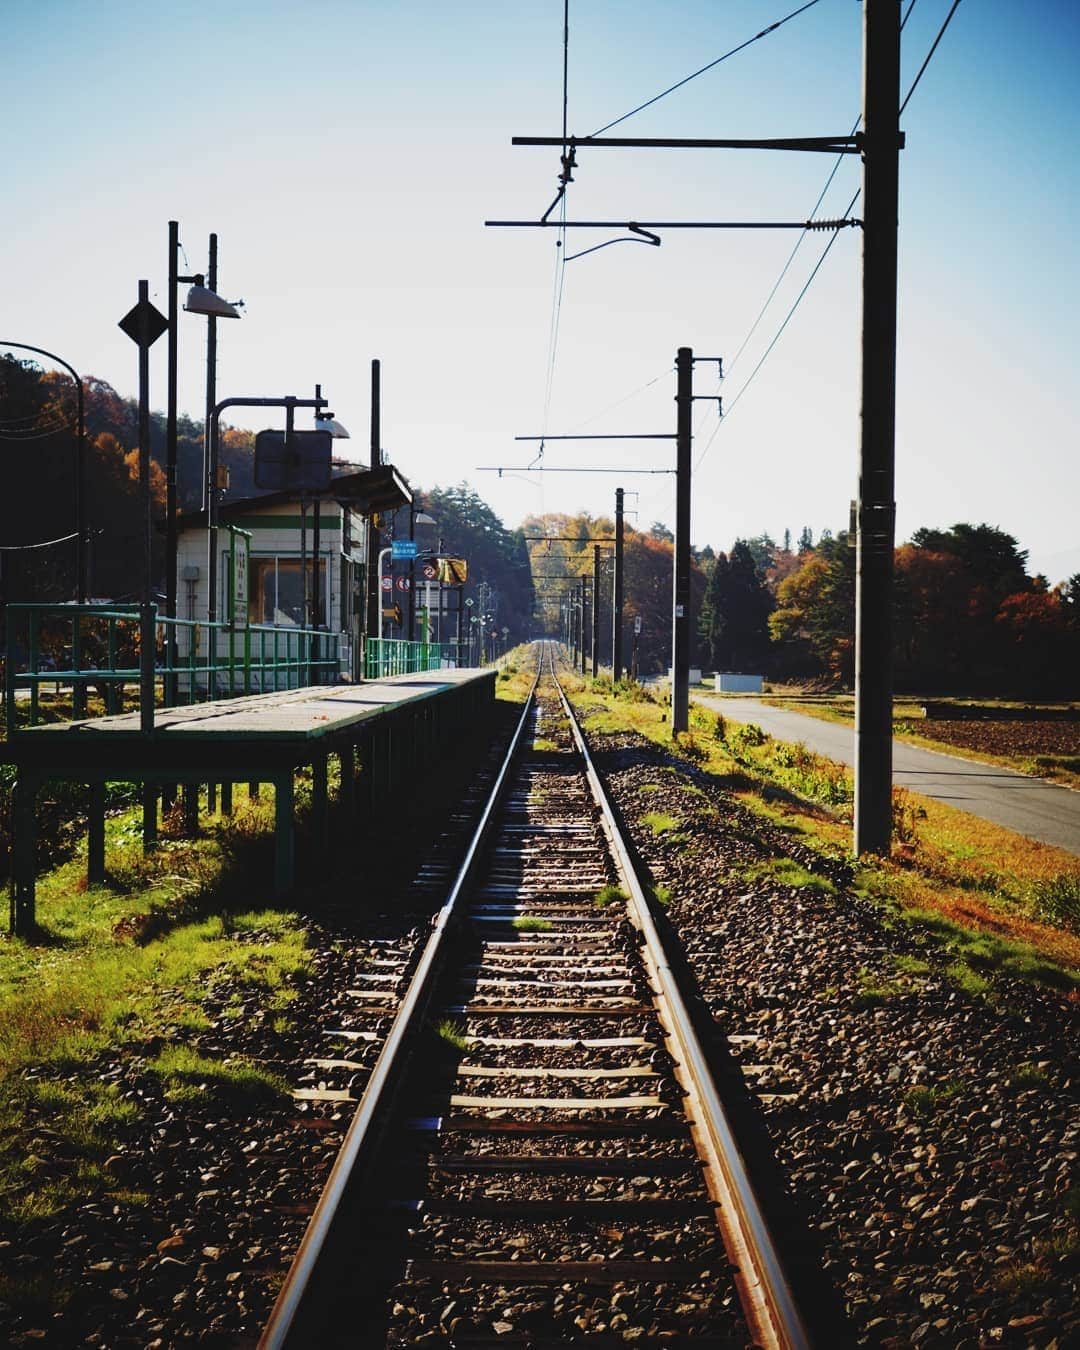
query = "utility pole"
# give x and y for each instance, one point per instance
(876, 529)
(595, 610)
(373, 619)
(581, 624)
(617, 602)
(680, 609)
(171, 471)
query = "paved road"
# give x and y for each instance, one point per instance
(1029, 806)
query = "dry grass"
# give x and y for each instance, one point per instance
(978, 878)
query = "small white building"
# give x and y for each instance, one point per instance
(266, 550)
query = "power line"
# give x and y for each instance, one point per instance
(712, 64)
(560, 242)
(929, 54)
(825, 251)
(47, 543)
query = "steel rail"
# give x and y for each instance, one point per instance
(768, 1302)
(287, 1306)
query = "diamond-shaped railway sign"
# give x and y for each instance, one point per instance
(144, 324)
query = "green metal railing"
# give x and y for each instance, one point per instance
(394, 656)
(100, 646)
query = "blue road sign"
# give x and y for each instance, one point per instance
(402, 548)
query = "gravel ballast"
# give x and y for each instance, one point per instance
(929, 1134)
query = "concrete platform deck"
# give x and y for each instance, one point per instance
(386, 734)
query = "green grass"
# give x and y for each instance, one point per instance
(453, 1033)
(662, 895)
(925, 1099)
(111, 969)
(661, 822)
(1027, 1075)
(237, 1081)
(34, 1297)
(787, 872)
(1056, 900)
(532, 925)
(608, 895)
(967, 980)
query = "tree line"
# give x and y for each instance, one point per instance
(967, 617)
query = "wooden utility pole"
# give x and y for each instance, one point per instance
(680, 608)
(617, 604)
(876, 505)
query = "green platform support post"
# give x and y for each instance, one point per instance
(347, 788)
(320, 818)
(366, 793)
(24, 854)
(226, 798)
(284, 842)
(191, 810)
(149, 817)
(95, 836)
(253, 791)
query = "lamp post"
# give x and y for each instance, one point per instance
(290, 403)
(201, 299)
(415, 518)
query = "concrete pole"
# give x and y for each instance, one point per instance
(876, 505)
(596, 610)
(680, 608)
(617, 603)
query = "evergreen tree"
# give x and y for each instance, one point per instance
(735, 613)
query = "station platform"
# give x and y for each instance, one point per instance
(383, 731)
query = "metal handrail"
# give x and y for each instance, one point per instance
(253, 658)
(396, 656)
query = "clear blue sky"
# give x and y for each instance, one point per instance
(348, 152)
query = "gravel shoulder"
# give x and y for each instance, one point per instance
(928, 1136)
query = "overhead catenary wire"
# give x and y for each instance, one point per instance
(45, 543)
(825, 251)
(711, 66)
(929, 54)
(560, 242)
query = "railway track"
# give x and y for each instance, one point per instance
(540, 1156)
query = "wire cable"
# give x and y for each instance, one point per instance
(929, 54)
(824, 252)
(47, 543)
(625, 399)
(787, 319)
(712, 64)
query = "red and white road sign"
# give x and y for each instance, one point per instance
(403, 583)
(387, 583)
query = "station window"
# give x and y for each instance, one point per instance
(276, 595)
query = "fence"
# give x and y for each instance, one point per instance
(100, 647)
(394, 656)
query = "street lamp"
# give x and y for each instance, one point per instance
(201, 299)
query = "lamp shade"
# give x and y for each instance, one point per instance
(202, 300)
(333, 426)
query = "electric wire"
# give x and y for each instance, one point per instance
(825, 251)
(595, 417)
(929, 54)
(560, 248)
(46, 543)
(712, 64)
(776, 338)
